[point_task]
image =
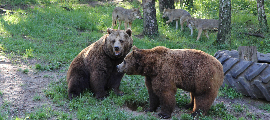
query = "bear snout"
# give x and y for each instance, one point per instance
(118, 68)
(116, 48)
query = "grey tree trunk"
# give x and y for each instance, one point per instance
(150, 27)
(248, 53)
(165, 4)
(224, 29)
(262, 16)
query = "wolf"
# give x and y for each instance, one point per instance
(126, 15)
(177, 14)
(202, 25)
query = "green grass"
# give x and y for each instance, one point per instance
(53, 35)
(220, 110)
(37, 97)
(230, 93)
(265, 107)
(239, 107)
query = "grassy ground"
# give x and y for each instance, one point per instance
(55, 31)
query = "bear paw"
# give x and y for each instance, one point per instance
(164, 116)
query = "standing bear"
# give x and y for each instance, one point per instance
(94, 68)
(165, 70)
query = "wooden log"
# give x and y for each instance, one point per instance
(248, 53)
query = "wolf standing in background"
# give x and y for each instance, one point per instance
(176, 14)
(126, 15)
(202, 25)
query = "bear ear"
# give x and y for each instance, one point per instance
(134, 48)
(109, 30)
(128, 31)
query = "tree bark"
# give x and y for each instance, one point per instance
(165, 4)
(224, 29)
(262, 16)
(248, 53)
(150, 27)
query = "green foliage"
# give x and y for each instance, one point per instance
(265, 107)
(220, 110)
(238, 108)
(181, 98)
(3, 116)
(230, 93)
(25, 71)
(46, 113)
(4, 109)
(37, 98)
(28, 53)
(185, 116)
(57, 91)
(135, 91)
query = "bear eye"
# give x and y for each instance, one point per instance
(121, 41)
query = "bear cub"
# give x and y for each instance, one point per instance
(94, 68)
(165, 70)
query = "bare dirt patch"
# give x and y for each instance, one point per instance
(22, 87)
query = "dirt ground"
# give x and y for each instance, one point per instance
(23, 92)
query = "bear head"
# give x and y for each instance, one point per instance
(140, 62)
(118, 43)
(131, 63)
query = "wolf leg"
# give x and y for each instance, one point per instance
(182, 23)
(206, 33)
(176, 24)
(199, 33)
(191, 29)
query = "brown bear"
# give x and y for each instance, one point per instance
(94, 68)
(165, 70)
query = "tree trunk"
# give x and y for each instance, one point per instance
(248, 53)
(262, 16)
(150, 27)
(165, 4)
(224, 29)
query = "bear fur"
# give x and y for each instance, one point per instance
(94, 68)
(165, 70)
